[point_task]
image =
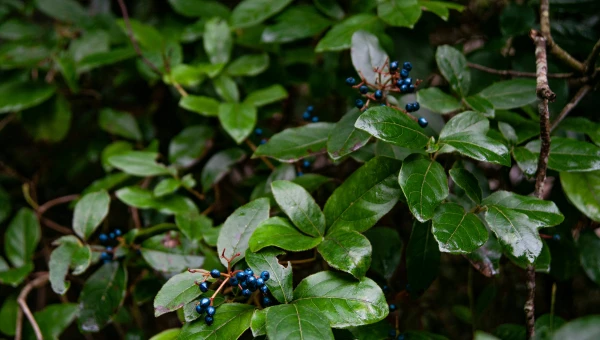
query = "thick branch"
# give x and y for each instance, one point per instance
(565, 111)
(517, 73)
(554, 48)
(22, 301)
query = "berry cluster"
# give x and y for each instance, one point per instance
(308, 114)
(259, 132)
(109, 240)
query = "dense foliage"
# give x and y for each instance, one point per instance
(360, 169)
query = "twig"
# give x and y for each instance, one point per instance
(7, 120)
(516, 73)
(567, 109)
(22, 301)
(56, 201)
(554, 48)
(136, 218)
(591, 60)
(263, 158)
(53, 225)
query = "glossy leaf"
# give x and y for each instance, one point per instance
(542, 262)
(238, 228)
(89, 212)
(190, 145)
(422, 258)
(101, 297)
(15, 276)
(293, 144)
(119, 123)
(526, 160)
(144, 199)
(387, 250)
(138, 163)
(179, 290)
(479, 104)
(166, 186)
(60, 259)
(424, 184)
(544, 213)
(189, 310)
(217, 40)
(206, 106)
(467, 182)
(364, 197)
(22, 237)
(238, 119)
(258, 325)
(347, 250)
(300, 207)
(589, 254)
(453, 66)
(268, 95)
(456, 230)
(345, 138)
(437, 101)
(367, 54)
(297, 322)
(280, 233)
(232, 321)
(18, 96)
(251, 12)
(392, 126)
(587, 201)
(402, 13)
(508, 132)
(468, 121)
(344, 301)
(168, 260)
(280, 284)
(218, 166)
(340, 36)
(227, 89)
(479, 147)
(570, 155)
(586, 327)
(510, 94)
(330, 8)
(297, 22)
(248, 65)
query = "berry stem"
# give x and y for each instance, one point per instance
(218, 290)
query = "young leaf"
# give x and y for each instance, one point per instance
(278, 232)
(280, 284)
(468, 182)
(293, 144)
(297, 22)
(457, 231)
(402, 13)
(89, 212)
(231, 321)
(453, 66)
(437, 101)
(258, 325)
(251, 12)
(387, 250)
(345, 138)
(206, 106)
(366, 196)
(589, 254)
(119, 123)
(422, 258)
(347, 250)
(22, 237)
(179, 290)
(297, 322)
(238, 119)
(588, 200)
(510, 94)
(190, 145)
(238, 228)
(217, 41)
(102, 295)
(424, 184)
(218, 166)
(392, 126)
(346, 302)
(138, 163)
(340, 36)
(544, 213)
(567, 154)
(248, 65)
(479, 147)
(268, 95)
(366, 55)
(300, 207)
(468, 121)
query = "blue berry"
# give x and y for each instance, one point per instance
(399, 83)
(386, 289)
(400, 337)
(263, 141)
(300, 173)
(266, 301)
(315, 119)
(118, 232)
(246, 292)
(258, 131)
(383, 104)
(363, 89)
(556, 237)
(111, 236)
(310, 108)
(209, 320)
(408, 81)
(305, 164)
(248, 272)
(359, 103)
(103, 238)
(205, 302)
(407, 66)
(105, 257)
(403, 88)
(109, 249)
(378, 94)
(392, 307)
(244, 285)
(210, 310)
(260, 282)
(233, 281)
(411, 88)
(306, 115)
(404, 73)
(204, 287)
(393, 66)
(409, 107)
(350, 81)
(417, 106)
(422, 123)
(392, 333)
(199, 309)
(215, 273)
(241, 276)
(251, 281)
(264, 289)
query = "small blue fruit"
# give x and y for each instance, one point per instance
(408, 81)
(407, 65)
(233, 281)
(392, 307)
(205, 302)
(400, 337)
(244, 284)
(111, 236)
(363, 89)
(105, 257)
(118, 232)
(258, 131)
(260, 282)
(264, 289)
(404, 73)
(350, 81)
(109, 249)
(215, 273)
(383, 104)
(310, 108)
(417, 106)
(209, 320)
(392, 333)
(315, 119)
(251, 281)
(266, 301)
(556, 237)
(204, 287)
(393, 66)
(246, 292)
(403, 88)
(210, 310)
(306, 115)
(399, 83)
(249, 272)
(386, 289)
(241, 276)
(199, 309)
(305, 164)
(300, 173)
(378, 94)
(359, 103)
(409, 107)
(103, 238)
(422, 123)
(411, 88)
(263, 141)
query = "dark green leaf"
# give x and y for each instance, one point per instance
(347, 250)
(588, 200)
(387, 250)
(200, 8)
(168, 260)
(293, 144)
(219, 165)
(589, 253)
(231, 321)
(193, 225)
(541, 264)
(587, 327)
(54, 319)
(366, 196)
(508, 132)
(144, 199)
(190, 145)
(22, 237)
(297, 322)
(179, 290)
(251, 12)
(5, 205)
(468, 121)
(392, 126)
(259, 322)
(268, 95)
(49, 121)
(301, 208)
(456, 230)
(296, 23)
(280, 284)
(403, 13)
(422, 258)
(366, 55)
(238, 119)
(479, 104)
(340, 36)
(279, 232)
(18, 96)
(437, 101)
(343, 300)
(453, 66)
(479, 147)
(226, 88)
(105, 58)
(546, 325)
(15, 276)
(570, 155)
(89, 212)
(468, 182)
(330, 8)
(119, 123)
(139, 163)
(248, 65)
(63, 10)
(8, 314)
(189, 310)
(516, 19)
(345, 138)
(203, 105)
(510, 94)
(217, 41)
(544, 213)
(526, 160)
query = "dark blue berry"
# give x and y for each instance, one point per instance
(249, 272)
(408, 81)
(103, 238)
(359, 103)
(315, 119)
(209, 320)
(105, 257)
(386, 289)
(378, 94)
(251, 281)
(199, 309)
(407, 65)
(118, 232)
(233, 281)
(266, 301)
(399, 83)
(258, 131)
(417, 106)
(306, 115)
(241, 276)
(205, 302)
(392, 333)
(215, 273)
(383, 104)
(305, 164)
(300, 173)
(409, 107)
(350, 81)
(246, 292)
(403, 88)
(203, 287)
(404, 73)
(109, 249)
(310, 108)
(411, 88)
(264, 289)
(556, 237)
(210, 310)
(111, 236)
(363, 89)
(422, 123)
(400, 337)
(393, 66)
(260, 282)
(392, 307)
(244, 284)
(263, 141)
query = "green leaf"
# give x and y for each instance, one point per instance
(49, 121)
(437, 101)
(374, 331)
(345, 138)
(364, 197)
(588, 200)
(15, 276)
(139, 163)
(63, 10)
(200, 8)
(189, 310)
(422, 258)
(480, 104)
(347, 250)
(586, 327)
(105, 58)
(190, 145)
(344, 301)
(453, 66)
(168, 260)
(232, 320)
(293, 144)
(479, 147)
(192, 225)
(544, 213)
(392, 126)
(516, 19)
(238, 228)
(89, 212)
(217, 41)
(581, 124)
(546, 325)
(424, 184)
(541, 264)
(81, 259)
(510, 94)
(179, 290)
(468, 182)
(297, 322)
(330, 8)
(486, 259)
(457, 231)
(115, 148)
(18, 96)
(589, 254)
(468, 121)
(402, 13)
(340, 36)
(238, 119)
(102, 295)
(252, 12)
(54, 319)
(22, 237)
(279, 232)
(268, 95)
(366, 55)
(219, 165)
(226, 88)
(60, 259)
(570, 155)
(185, 75)
(526, 160)
(169, 334)
(144, 199)
(259, 322)
(387, 250)
(280, 284)
(295, 23)
(119, 123)
(248, 65)
(8, 314)
(508, 132)
(301, 208)
(203, 105)
(440, 8)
